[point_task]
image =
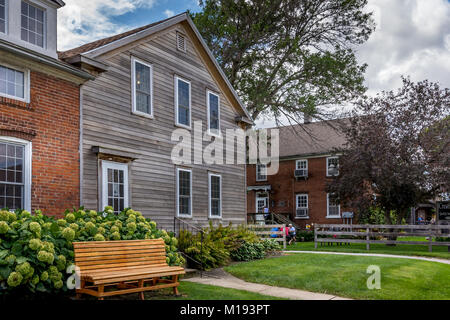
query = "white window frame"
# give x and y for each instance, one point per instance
(178, 193)
(262, 196)
(328, 159)
(301, 160)
(117, 166)
(28, 149)
(328, 209)
(210, 175)
(134, 110)
(44, 27)
(178, 78)
(26, 83)
(6, 17)
(213, 132)
(297, 207)
(257, 176)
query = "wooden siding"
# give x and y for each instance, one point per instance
(109, 123)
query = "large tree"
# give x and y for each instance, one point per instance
(397, 151)
(285, 57)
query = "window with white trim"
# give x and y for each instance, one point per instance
(215, 195)
(33, 24)
(15, 174)
(3, 16)
(301, 164)
(182, 102)
(333, 207)
(14, 83)
(301, 201)
(184, 192)
(332, 166)
(142, 75)
(261, 172)
(213, 103)
(114, 185)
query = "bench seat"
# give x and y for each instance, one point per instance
(130, 266)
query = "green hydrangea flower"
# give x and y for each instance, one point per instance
(52, 271)
(61, 262)
(61, 222)
(101, 230)
(118, 224)
(115, 229)
(35, 280)
(138, 213)
(15, 225)
(141, 219)
(115, 236)
(58, 284)
(68, 234)
(74, 226)
(55, 276)
(131, 218)
(167, 260)
(45, 256)
(166, 239)
(82, 213)
(35, 244)
(10, 259)
(12, 216)
(174, 241)
(44, 276)
(25, 269)
(4, 227)
(48, 246)
(99, 237)
(93, 213)
(47, 225)
(131, 227)
(164, 233)
(89, 225)
(35, 227)
(153, 224)
(4, 215)
(14, 279)
(70, 217)
(25, 214)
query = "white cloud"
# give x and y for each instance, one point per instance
(82, 21)
(169, 13)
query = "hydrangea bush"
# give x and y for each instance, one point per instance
(35, 250)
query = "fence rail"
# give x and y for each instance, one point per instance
(370, 231)
(266, 232)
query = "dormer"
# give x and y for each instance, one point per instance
(31, 24)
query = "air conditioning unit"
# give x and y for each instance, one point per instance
(301, 173)
(333, 171)
(301, 213)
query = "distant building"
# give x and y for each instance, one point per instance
(298, 190)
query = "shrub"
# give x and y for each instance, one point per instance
(255, 250)
(305, 235)
(35, 250)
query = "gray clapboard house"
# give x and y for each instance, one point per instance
(149, 82)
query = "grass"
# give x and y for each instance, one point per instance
(401, 279)
(193, 291)
(400, 249)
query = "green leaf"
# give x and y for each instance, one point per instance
(17, 249)
(54, 228)
(21, 260)
(40, 287)
(5, 271)
(3, 253)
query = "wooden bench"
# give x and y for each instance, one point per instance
(128, 266)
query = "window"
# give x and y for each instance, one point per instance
(14, 83)
(215, 196)
(332, 166)
(15, 174)
(32, 24)
(301, 168)
(142, 75)
(261, 172)
(213, 103)
(301, 206)
(115, 185)
(181, 42)
(183, 102)
(184, 192)
(3, 15)
(333, 207)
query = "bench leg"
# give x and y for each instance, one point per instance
(175, 289)
(101, 289)
(78, 295)
(141, 285)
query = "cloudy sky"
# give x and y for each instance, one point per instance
(412, 36)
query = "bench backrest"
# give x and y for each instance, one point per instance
(93, 255)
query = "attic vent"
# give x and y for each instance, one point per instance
(181, 42)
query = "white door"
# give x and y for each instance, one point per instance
(261, 203)
(114, 185)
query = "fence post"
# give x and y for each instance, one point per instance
(430, 239)
(315, 236)
(284, 237)
(367, 239)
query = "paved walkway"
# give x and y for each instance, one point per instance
(446, 261)
(220, 278)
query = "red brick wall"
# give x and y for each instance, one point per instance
(51, 122)
(285, 187)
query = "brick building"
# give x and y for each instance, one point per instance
(298, 190)
(39, 111)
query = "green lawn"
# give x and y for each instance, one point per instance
(194, 291)
(401, 249)
(346, 276)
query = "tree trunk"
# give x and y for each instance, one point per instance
(387, 216)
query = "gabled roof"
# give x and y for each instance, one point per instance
(309, 139)
(99, 47)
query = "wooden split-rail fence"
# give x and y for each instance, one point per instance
(266, 232)
(371, 234)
